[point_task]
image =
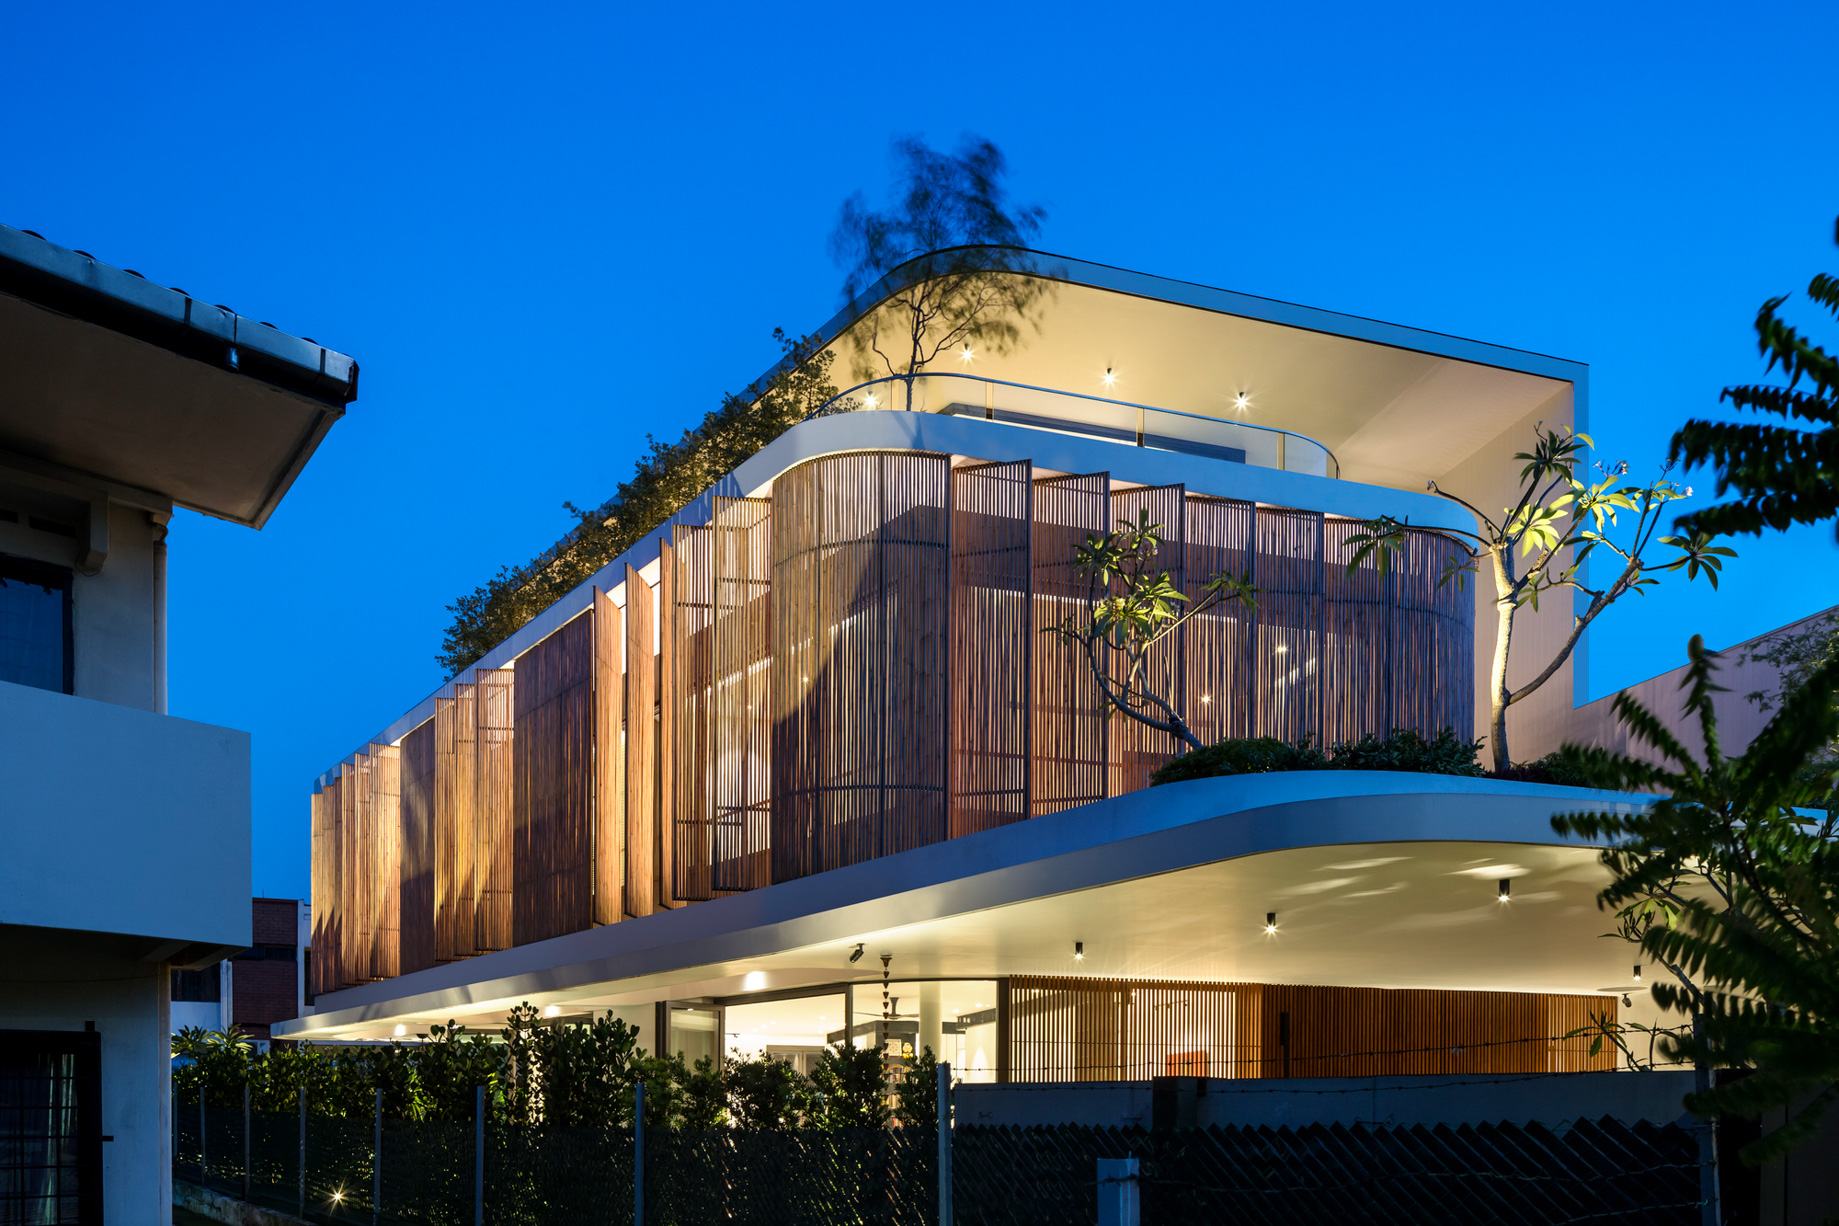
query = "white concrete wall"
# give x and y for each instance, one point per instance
(115, 614)
(123, 821)
(1548, 1098)
(61, 980)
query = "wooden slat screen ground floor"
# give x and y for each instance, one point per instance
(1058, 1029)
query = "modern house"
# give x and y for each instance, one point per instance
(124, 831)
(802, 765)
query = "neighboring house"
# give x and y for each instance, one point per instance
(258, 986)
(124, 832)
(802, 765)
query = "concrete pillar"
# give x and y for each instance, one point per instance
(931, 1017)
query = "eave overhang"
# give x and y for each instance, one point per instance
(105, 373)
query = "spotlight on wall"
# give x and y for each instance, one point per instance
(856, 956)
(1625, 1000)
(1506, 888)
(1110, 377)
(1637, 972)
(1079, 951)
(1270, 922)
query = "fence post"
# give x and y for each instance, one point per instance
(303, 1151)
(1702, 1080)
(203, 1170)
(1118, 1203)
(245, 1140)
(376, 1163)
(479, 1156)
(175, 1125)
(944, 1143)
(638, 1154)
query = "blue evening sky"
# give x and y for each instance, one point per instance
(546, 232)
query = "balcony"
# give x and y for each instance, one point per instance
(119, 820)
(1119, 421)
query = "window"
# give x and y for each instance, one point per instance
(198, 987)
(51, 1127)
(35, 639)
(267, 953)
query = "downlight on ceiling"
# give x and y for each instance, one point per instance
(1079, 951)
(1506, 888)
(1110, 376)
(1270, 923)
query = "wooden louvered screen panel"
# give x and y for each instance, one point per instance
(1359, 663)
(740, 711)
(1069, 751)
(692, 617)
(1433, 640)
(494, 725)
(609, 762)
(417, 856)
(325, 963)
(1136, 749)
(342, 816)
(386, 860)
(363, 870)
(552, 784)
(1219, 700)
(1288, 574)
(665, 827)
(992, 644)
(860, 589)
(455, 822)
(1130, 1030)
(641, 747)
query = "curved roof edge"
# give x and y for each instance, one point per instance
(1072, 271)
(1141, 834)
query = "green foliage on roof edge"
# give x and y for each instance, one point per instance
(1402, 750)
(665, 481)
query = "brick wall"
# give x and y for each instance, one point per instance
(266, 986)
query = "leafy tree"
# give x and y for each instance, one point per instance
(849, 1089)
(665, 482)
(917, 1104)
(216, 1064)
(1728, 883)
(1540, 544)
(1795, 657)
(766, 1093)
(1129, 607)
(1781, 474)
(452, 1063)
(972, 291)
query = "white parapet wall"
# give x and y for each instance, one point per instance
(1551, 1099)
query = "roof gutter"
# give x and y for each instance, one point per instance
(77, 284)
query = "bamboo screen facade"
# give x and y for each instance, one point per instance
(859, 665)
(552, 860)
(860, 548)
(1131, 1030)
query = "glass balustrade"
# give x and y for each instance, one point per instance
(1039, 408)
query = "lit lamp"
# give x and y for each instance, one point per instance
(1637, 972)
(1110, 377)
(1506, 888)
(1270, 923)
(1079, 951)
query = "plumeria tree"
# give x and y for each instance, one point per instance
(1541, 543)
(1129, 607)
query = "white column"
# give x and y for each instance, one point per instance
(931, 1033)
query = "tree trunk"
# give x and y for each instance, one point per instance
(1498, 694)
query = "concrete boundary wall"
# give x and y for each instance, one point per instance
(1546, 1098)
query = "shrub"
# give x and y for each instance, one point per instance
(1405, 750)
(1553, 768)
(1241, 756)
